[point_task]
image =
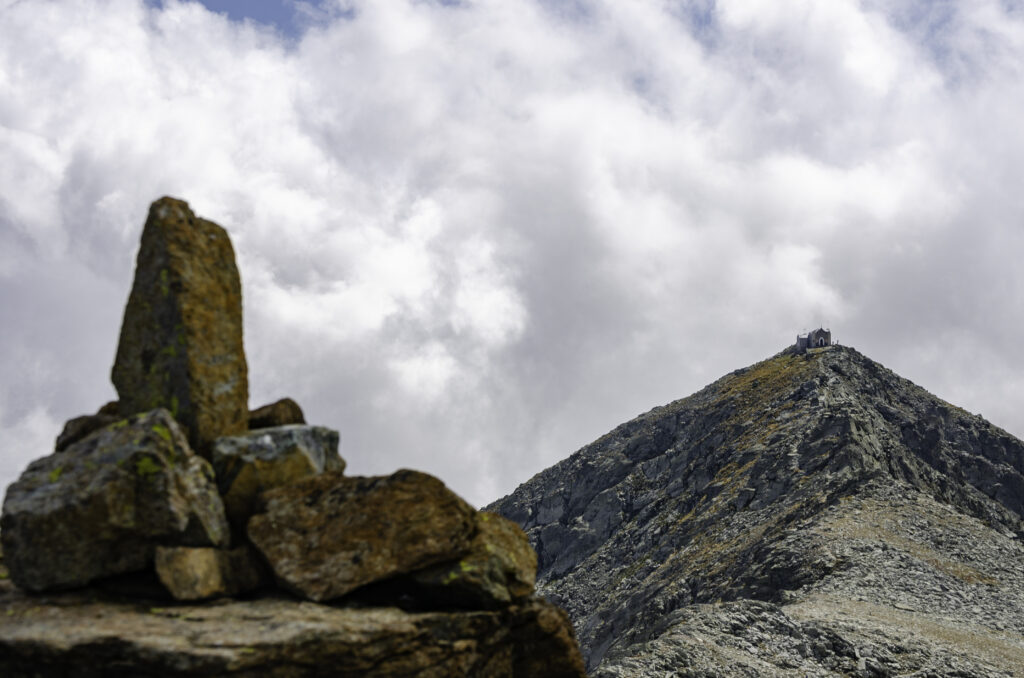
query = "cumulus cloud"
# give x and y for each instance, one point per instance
(474, 236)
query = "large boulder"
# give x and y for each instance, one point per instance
(279, 413)
(328, 535)
(181, 339)
(103, 505)
(261, 460)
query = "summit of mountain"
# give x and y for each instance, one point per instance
(812, 514)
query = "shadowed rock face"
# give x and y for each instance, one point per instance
(821, 485)
(181, 339)
(283, 412)
(191, 573)
(79, 427)
(499, 567)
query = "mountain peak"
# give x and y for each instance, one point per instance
(710, 498)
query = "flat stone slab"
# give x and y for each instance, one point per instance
(87, 635)
(181, 338)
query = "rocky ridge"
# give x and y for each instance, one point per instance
(176, 533)
(811, 515)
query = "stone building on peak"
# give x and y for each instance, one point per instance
(814, 339)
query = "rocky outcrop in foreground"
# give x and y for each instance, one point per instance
(90, 634)
(811, 515)
(166, 499)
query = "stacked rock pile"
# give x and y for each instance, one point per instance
(179, 483)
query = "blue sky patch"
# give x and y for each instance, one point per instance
(286, 16)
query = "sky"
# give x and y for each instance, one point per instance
(474, 236)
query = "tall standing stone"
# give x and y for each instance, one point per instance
(181, 339)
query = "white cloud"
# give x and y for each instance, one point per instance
(36, 430)
(485, 304)
(425, 374)
(476, 236)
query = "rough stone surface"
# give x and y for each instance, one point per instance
(811, 515)
(191, 573)
(181, 339)
(79, 427)
(281, 413)
(914, 589)
(112, 408)
(328, 535)
(545, 644)
(500, 567)
(104, 504)
(89, 635)
(249, 464)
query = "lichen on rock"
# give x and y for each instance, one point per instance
(181, 338)
(327, 535)
(103, 505)
(499, 567)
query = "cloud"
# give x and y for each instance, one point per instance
(475, 236)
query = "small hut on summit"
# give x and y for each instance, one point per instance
(814, 339)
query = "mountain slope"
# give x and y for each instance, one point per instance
(813, 513)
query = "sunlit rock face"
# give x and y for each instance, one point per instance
(873, 524)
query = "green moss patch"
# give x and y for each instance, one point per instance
(146, 466)
(163, 432)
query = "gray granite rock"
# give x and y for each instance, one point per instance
(103, 505)
(250, 464)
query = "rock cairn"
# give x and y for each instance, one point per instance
(178, 494)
